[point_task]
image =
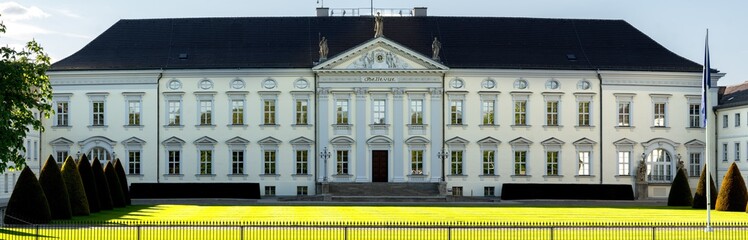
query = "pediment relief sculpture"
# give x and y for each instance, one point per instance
(379, 59)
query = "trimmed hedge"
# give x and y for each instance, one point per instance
(196, 190)
(680, 190)
(115, 189)
(89, 184)
(733, 195)
(76, 191)
(699, 198)
(54, 188)
(105, 197)
(27, 204)
(511, 191)
(123, 181)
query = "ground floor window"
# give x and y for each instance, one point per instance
(416, 162)
(456, 163)
(302, 190)
(624, 160)
(269, 160)
(301, 161)
(174, 161)
(100, 153)
(456, 191)
(237, 162)
(488, 162)
(342, 164)
(133, 162)
(520, 163)
(694, 164)
(489, 191)
(659, 164)
(584, 163)
(206, 162)
(551, 159)
(61, 156)
(269, 190)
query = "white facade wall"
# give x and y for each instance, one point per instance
(734, 135)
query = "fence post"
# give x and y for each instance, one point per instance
(552, 228)
(241, 232)
(653, 232)
(449, 233)
(345, 233)
(137, 227)
(37, 232)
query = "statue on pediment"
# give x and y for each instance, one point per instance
(323, 50)
(378, 26)
(436, 46)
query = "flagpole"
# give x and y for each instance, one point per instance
(706, 84)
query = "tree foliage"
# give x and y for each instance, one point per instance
(27, 204)
(105, 197)
(54, 188)
(24, 85)
(733, 195)
(123, 181)
(699, 198)
(115, 189)
(89, 184)
(76, 191)
(680, 190)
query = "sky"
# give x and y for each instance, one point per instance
(63, 27)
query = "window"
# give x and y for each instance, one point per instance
(694, 164)
(624, 114)
(133, 112)
(237, 112)
(584, 163)
(302, 112)
(133, 162)
(737, 151)
(456, 191)
(416, 162)
(737, 120)
(237, 162)
(61, 156)
(520, 84)
(456, 162)
(584, 113)
(342, 164)
(269, 190)
(269, 111)
(551, 159)
(416, 109)
(659, 165)
(97, 113)
(269, 160)
(659, 115)
(487, 109)
(379, 110)
(206, 112)
(624, 160)
(174, 160)
(520, 163)
(62, 114)
(694, 115)
(456, 112)
(175, 110)
(489, 157)
(206, 162)
(100, 153)
(551, 113)
(489, 191)
(520, 112)
(725, 121)
(302, 162)
(341, 106)
(302, 190)
(724, 152)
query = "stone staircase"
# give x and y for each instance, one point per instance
(385, 192)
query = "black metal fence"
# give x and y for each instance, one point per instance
(368, 231)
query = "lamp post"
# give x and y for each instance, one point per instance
(443, 155)
(77, 155)
(325, 154)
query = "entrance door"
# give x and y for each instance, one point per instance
(379, 166)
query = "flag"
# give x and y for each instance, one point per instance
(706, 83)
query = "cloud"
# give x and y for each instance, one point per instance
(13, 11)
(68, 13)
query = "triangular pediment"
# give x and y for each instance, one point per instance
(237, 141)
(552, 141)
(173, 141)
(584, 141)
(269, 141)
(520, 141)
(133, 141)
(61, 141)
(301, 141)
(695, 144)
(205, 141)
(457, 141)
(489, 141)
(624, 142)
(380, 54)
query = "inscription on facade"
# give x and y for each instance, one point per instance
(378, 79)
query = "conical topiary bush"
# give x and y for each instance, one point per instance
(699, 198)
(118, 199)
(27, 204)
(74, 184)
(54, 188)
(89, 184)
(105, 197)
(733, 195)
(680, 191)
(123, 181)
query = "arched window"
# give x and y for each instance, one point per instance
(102, 154)
(659, 166)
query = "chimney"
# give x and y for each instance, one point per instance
(419, 12)
(323, 12)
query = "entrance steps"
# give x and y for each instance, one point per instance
(384, 189)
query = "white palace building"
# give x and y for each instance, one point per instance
(473, 103)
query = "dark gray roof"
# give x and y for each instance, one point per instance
(292, 42)
(735, 95)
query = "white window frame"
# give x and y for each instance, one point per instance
(457, 145)
(302, 96)
(134, 145)
(208, 98)
(58, 98)
(178, 162)
(694, 114)
(298, 145)
(552, 98)
(624, 119)
(658, 99)
(130, 98)
(416, 98)
(237, 144)
(520, 146)
(725, 121)
(93, 99)
(695, 147)
(378, 109)
(724, 152)
(457, 114)
(177, 98)
(342, 161)
(521, 98)
(269, 96)
(585, 98)
(552, 145)
(493, 99)
(342, 116)
(737, 151)
(585, 147)
(237, 96)
(737, 120)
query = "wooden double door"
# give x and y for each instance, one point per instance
(379, 166)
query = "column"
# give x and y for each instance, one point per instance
(397, 132)
(436, 122)
(360, 125)
(323, 128)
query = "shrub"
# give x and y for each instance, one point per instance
(74, 184)
(105, 197)
(27, 204)
(54, 188)
(89, 184)
(732, 195)
(123, 181)
(699, 198)
(115, 189)
(680, 191)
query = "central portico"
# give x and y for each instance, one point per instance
(380, 114)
